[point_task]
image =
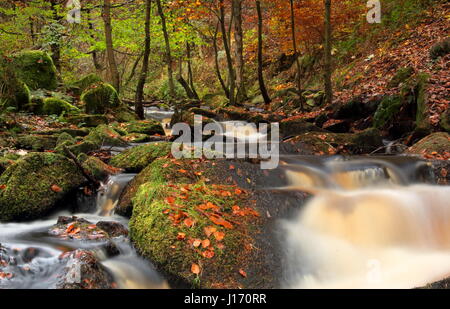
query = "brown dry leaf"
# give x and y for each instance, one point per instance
(56, 188)
(181, 236)
(189, 222)
(195, 269)
(70, 228)
(220, 221)
(209, 230)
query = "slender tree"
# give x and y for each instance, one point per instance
(262, 86)
(112, 65)
(216, 63)
(241, 94)
(168, 53)
(190, 74)
(294, 47)
(55, 46)
(231, 79)
(327, 64)
(139, 108)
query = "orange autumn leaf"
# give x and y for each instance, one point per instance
(219, 235)
(56, 188)
(189, 222)
(195, 269)
(208, 254)
(70, 228)
(181, 236)
(182, 171)
(2, 187)
(205, 243)
(243, 273)
(170, 199)
(237, 191)
(221, 246)
(221, 221)
(209, 230)
(232, 167)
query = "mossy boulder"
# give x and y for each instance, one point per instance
(35, 184)
(401, 76)
(387, 110)
(149, 127)
(54, 106)
(13, 92)
(295, 125)
(65, 137)
(77, 148)
(36, 69)
(86, 120)
(137, 138)
(206, 229)
(105, 135)
(100, 98)
(123, 114)
(36, 142)
(137, 158)
(7, 160)
(80, 85)
(445, 120)
(99, 169)
(440, 49)
(435, 143)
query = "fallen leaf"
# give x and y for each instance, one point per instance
(189, 222)
(182, 171)
(205, 243)
(196, 243)
(209, 230)
(208, 254)
(232, 167)
(219, 235)
(181, 236)
(243, 273)
(221, 221)
(195, 269)
(56, 188)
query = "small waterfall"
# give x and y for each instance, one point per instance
(109, 193)
(366, 227)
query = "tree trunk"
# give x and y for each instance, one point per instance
(262, 86)
(97, 65)
(139, 108)
(55, 46)
(113, 71)
(231, 79)
(241, 94)
(168, 54)
(190, 75)
(216, 64)
(296, 54)
(327, 64)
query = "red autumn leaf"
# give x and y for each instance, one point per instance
(232, 167)
(56, 188)
(195, 269)
(243, 273)
(208, 254)
(170, 199)
(237, 191)
(2, 187)
(182, 171)
(70, 228)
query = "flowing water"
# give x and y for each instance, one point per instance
(369, 224)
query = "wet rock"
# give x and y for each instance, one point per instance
(83, 271)
(137, 158)
(294, 126)
(113, 229)
(337, 126)
(386, 111)
(35, 184)
(203, 112)
(97, 167)
(106, 136)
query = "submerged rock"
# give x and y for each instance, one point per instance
(35, 184)
(137, 158)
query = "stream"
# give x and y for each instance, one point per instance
(372, 223)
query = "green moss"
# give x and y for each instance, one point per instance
(149, 127)
(78, 148)
(13, 92)
(154, 233)
(105, 135)
(123, 114)
(99, 98)
(445, 120)
(97, 167)
(86, 120)
(7, 160)
(53, 106)
(65, 138)
(421, 95)
(36, 69)
(36, 142)
(27, 192)
(137, 158)
(386, 111)
(80, 85)
(137, 138)
(401, 76)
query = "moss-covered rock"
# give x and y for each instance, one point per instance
(86, 120)
(35, 184)
(13, 92)
(386, 111)
(105, 135)
(137, 158)
(294, 126)
(99, 169)
(36, 69)
(123, 114)
(80, 85)
(78, 147)
(65, 137)
(36, 142)
(401, 76)
(99, 98)
(445, 120)
(435, 143)
(137, 138)
(7, 160)
(206, 228)
(149, 127)
(54, 106)
(440, 49)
